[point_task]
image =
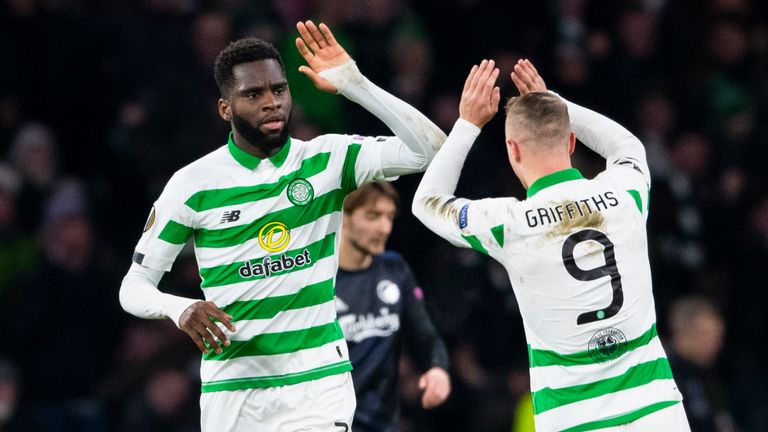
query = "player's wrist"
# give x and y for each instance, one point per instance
(344, 75)
(175, 306)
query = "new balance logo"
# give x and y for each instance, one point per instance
(230, 216)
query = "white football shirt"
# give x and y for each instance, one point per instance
(577, 256)
(266, 235)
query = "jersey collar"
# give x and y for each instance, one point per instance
(553, 179)
(250, 161)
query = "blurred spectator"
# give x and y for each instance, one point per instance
(64, 347)
(166, 405)
(33, 154)
(121, 95)
(12, 417)
(681, 206)
(18, 250)
(697, 338)
(655, 123)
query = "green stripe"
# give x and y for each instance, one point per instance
(622, 419)
(175, 233)
(310, 295)
(250, 161)
(474, 242)
(636, 195)
(648, 200)
(293, 217)
(229, 273)
(279, 343)
(553, 179)
(549, 398)
(278, 380)
(498, 234)
(215, 198)
(538, 357)
(348, 181)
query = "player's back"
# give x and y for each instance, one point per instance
(577, 257)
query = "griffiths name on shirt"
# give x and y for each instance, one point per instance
(570, 209)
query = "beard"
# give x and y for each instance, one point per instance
(367, 249)
(257, 138)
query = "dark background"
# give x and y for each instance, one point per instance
(101, 101)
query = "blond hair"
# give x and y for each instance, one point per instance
(537, 119)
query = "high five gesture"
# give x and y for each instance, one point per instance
(321, 51)
(480, 97)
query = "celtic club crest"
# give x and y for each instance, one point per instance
(300, 192)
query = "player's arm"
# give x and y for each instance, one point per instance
(602, 135)
(168, 228)
(426, 344)
(140, 296)
(434, 203)
(331, 69)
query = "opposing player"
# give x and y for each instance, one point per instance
(264, 211)
(380, 308)
(576, 253)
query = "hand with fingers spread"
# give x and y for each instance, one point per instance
(480, 97)
(527, 78)
(197, 322)
(321, 51)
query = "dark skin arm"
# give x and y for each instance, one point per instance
(196, 322)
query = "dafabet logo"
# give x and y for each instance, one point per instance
(274, 237)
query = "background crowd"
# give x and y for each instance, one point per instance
(102, 100)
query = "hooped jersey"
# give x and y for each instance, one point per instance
(266, 235)
(577, 256)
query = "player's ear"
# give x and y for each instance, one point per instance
(571, 143)
(225, 110)
(513, 148)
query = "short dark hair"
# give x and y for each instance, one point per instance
(370, 193)
(241, 51)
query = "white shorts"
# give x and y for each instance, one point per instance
(323, 405)
(670, 419)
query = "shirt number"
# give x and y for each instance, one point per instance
(609, 269)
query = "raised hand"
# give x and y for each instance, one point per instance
(480, 97)
(197, 322)
(527, 78)
(321, 51)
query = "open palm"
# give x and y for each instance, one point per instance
(321, 51)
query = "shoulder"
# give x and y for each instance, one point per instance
(392, 260)
(200, 169)
(193, 176)
(488, 210)
(329, 141)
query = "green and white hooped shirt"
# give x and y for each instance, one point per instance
(266, 235)
(576, 253)
(577, 257)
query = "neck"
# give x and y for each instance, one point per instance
(352, 258)
(543, 168)
(261, 150)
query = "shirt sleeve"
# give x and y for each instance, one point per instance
(626, 165)
(169, 226)
(417, 137)
(423, 340)
(363, 161)
(463, 222)
(139, 296)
